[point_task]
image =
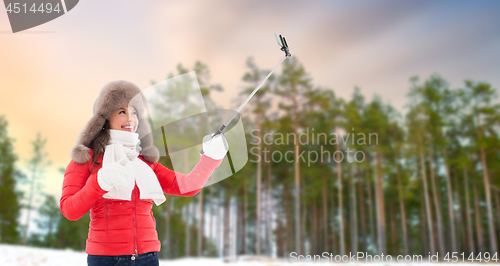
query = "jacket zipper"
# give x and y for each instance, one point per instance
(135, 225)
(107, 222)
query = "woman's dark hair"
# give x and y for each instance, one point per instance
(100, 142)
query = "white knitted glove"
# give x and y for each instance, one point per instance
(215, 148)
(114, 174)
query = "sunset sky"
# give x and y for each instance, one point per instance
(50, 75)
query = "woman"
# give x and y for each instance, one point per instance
(114, 173)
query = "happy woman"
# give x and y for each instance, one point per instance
(114, 173)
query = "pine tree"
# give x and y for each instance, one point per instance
(36, 165)
(294, 81)
(48, 220)
(484, 115)
(9, 196)
(253, 77)
(377, 121)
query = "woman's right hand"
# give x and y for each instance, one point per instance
(114, 174)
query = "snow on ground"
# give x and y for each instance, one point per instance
(13, 255)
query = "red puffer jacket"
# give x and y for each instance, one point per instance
(121, 227)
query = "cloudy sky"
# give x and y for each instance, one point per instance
(50, 75)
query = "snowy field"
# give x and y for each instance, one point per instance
(12, 255)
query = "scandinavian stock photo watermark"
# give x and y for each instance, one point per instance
(448, 257)
(354, 257)
(314, 146)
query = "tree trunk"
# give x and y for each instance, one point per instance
(361, 211)
(425, 240)
(394, 230)
(313, 237)
(317, 224)
(319, 227)
(479, 230)
(210, 215)
(487, 190)
(353, 213)
(373, 233)
(426, 197)
(279, 238)
(167, 243)
(258, 231)
(325, 214)
(450, 203)
(245, 218)
(379, 194)
(200, 223)
(402, 208)
(303, 222)
(463, 241)
(289, 239)
(460, 227)
(341, 203)
(188, 235)
(176, 245)
(298, 241)
(468, 213)
(239, 223)
(200, 202)
(227, 223)
(334, 231)
(270, 211)
(219, 234)
(233, 230)
(437, 205)
(264, 218)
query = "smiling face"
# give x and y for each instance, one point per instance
(125, 119)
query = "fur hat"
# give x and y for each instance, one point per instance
(113, 96)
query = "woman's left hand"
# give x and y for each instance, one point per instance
(215, 148)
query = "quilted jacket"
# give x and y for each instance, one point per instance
(121, 227)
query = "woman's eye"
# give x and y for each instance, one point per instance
(121, 112)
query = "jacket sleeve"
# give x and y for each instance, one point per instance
(80, 191)
(177, 184)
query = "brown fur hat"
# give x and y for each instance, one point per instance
(115, 95)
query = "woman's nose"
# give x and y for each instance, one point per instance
(131, 118)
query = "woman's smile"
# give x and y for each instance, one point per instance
(128, 128)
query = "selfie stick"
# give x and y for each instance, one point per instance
(284, 47)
